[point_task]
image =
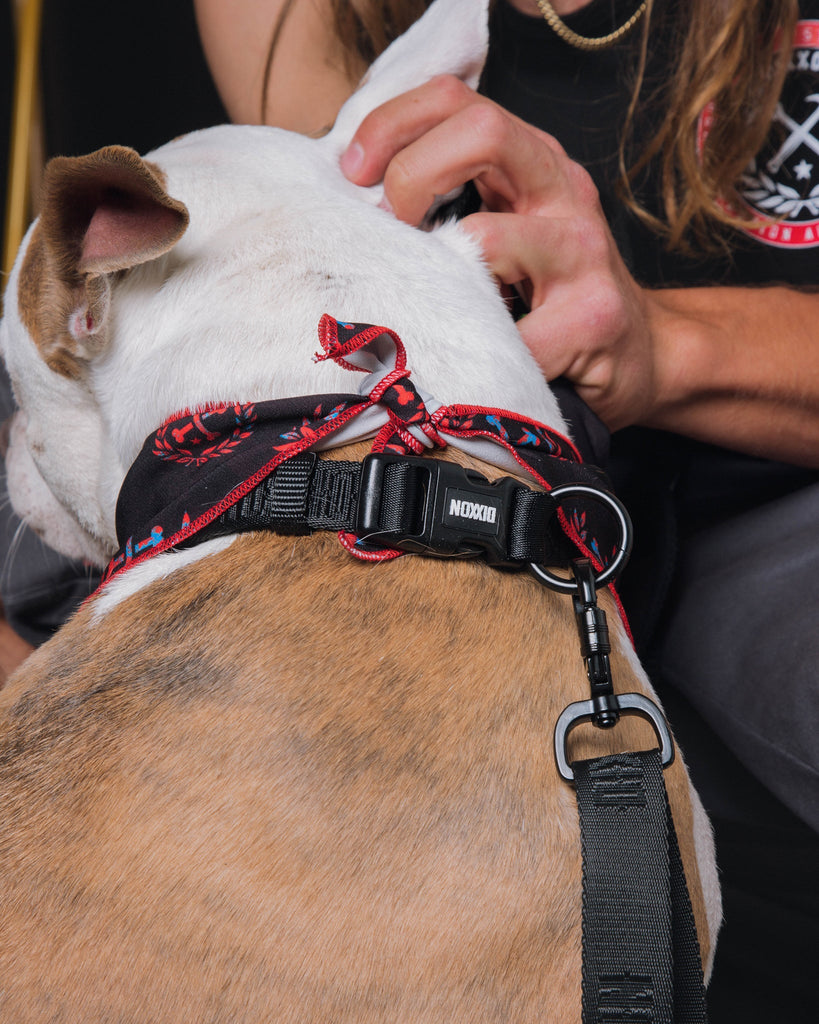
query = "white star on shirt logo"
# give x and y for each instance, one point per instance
(803, 170)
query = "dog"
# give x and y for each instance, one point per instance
(259, 778)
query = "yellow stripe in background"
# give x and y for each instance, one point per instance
(29, 20)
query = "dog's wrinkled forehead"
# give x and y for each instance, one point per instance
(110, 312)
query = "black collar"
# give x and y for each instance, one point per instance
(211, 472)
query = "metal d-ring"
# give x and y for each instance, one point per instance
(569, 585)
(628, 704)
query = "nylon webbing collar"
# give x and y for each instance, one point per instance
(389, 504)
(199, 466)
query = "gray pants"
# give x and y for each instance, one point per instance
(38, 587)
(742, 642)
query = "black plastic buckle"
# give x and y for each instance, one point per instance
(461, 514)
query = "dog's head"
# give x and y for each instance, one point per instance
(199, 275)
(102, 216)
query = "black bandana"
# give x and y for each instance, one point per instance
(199, 464)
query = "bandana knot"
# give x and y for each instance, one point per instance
(380, 353)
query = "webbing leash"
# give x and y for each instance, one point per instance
(641, 955)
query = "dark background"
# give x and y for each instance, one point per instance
(132, 74)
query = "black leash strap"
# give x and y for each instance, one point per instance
(641, 957)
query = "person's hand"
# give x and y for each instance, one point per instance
(541, 229)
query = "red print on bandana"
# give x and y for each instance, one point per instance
(195, 442)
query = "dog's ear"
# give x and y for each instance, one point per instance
(450, 38)
(108, 211)
(101, 213)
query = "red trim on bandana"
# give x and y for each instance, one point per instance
(232, 449)
(351, 543)
(127, 560)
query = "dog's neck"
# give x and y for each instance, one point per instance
(210, 461)
(199, 465)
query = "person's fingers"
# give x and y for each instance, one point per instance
(435, 138)
(597, 339)
(586, 321)
(544, 251)
(512, 169)
(395, 124)
(443, 159)
(542, 231)
(518, 248)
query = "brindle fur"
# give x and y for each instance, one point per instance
(284, 785)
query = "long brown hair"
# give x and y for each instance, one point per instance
(732, 54)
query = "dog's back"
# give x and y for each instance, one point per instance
(285, 785)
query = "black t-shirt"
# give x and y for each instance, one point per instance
(582, 98)
(672, 486)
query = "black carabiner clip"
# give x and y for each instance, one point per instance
(605, 707)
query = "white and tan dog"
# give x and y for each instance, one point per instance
(258, 779)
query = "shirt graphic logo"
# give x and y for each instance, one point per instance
(780, 187)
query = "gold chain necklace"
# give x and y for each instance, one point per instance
(585, 42)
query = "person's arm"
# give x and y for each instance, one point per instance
(737, 367)
(741, 369)
(307, 82)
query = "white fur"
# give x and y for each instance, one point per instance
(157, 568)
(59, 459)
(277, 237)
(452, 38)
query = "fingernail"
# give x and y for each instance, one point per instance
(352, 160)
(385, 204)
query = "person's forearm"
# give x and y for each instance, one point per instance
(739, 367)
